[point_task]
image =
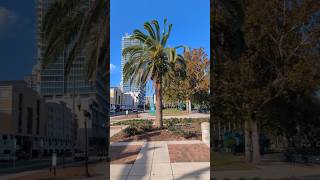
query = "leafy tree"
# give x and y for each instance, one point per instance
(278, 60)
(152, 60)
(192, 82)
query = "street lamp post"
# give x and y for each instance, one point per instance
(63, 138)
(86, 115)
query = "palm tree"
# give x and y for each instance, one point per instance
(151, 60)
(80, 27)
(73, 28)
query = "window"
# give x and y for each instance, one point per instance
(4, 94)
(20, 113)
(4, 137)
(38, 117)
(29, 120)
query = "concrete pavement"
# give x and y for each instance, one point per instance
(153, 163)
(115, 129)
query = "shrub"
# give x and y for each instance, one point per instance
(188, 134)
(137, 127)
(131, 131)
(144, 127)
(255, 178)
(132, 122)
(242, 178)
(230, 142)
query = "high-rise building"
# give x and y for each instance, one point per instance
(75, 90)
(131, 86)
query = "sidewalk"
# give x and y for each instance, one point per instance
(178, 160)
(115, 129)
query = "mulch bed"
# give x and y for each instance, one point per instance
(124, 154)
(155, 135)
(189, 153)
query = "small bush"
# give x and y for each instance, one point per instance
(242, 178)
(255, 178)
(188, 134)
(144, 127)
(131, 131)
(132, 122)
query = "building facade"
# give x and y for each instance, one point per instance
(131, 86)
(120, 101)
(54, 86)
(31, 125)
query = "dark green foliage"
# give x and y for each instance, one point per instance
(255, 178)
(137, 126)
(273, 75)
(133, 122)
(131, 131)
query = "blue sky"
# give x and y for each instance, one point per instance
(17, 38)
(190, 19)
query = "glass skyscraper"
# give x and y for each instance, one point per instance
(53, 85)
(127, 86)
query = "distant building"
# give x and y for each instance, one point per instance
(22, 113)
(120, 101)
(54, 86)
(128, 102)
(39, 128)
(115, 98)
(59, 128)
(127, 86)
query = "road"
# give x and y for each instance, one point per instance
(35, 164)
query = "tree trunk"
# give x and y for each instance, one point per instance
(252, 146)
(189, 106)
(255, 143)
(247, 140)
(158, 121)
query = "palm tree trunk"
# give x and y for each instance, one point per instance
(158, 121)
(247, 140)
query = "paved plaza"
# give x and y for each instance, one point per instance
(161, 160)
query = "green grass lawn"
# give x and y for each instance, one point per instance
(173, 112)
(227, 161)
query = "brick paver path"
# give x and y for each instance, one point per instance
(124, 154)
(189, 153)
(153, 162)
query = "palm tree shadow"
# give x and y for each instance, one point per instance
(141, 164)
(194, 173)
